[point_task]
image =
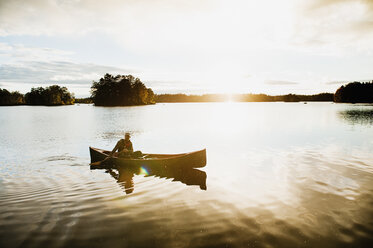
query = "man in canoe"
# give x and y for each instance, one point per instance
(123, 149)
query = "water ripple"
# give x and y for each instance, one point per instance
(269, 182)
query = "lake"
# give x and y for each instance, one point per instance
(277, 175)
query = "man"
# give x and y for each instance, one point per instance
(124, 147)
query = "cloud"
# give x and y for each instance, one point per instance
(182, 27)
(347, 81)
(336, 26)
(188, 42)
(185, 26)
(336, 82)
(19, 52)
(174, 86)
(279, 82)
(55, 72)
(40, 65)
(36, 66)
(165, 83)
(318, 4)
(78, 77)
(55, 17)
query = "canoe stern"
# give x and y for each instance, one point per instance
(96, 155)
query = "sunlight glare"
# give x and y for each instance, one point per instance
(229, 98)
(144, 171)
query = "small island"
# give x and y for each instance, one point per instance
(11, 98)
(121, 90)
(50, 96)
(355, 92)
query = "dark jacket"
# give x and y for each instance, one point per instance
(123, 144)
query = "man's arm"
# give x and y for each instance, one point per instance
(130, 148)
(115, 148)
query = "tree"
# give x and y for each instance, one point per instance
(150, 97)
(11, 98)
(121, 90)
(52, 95)
(355, 92)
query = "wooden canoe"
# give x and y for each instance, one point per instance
(195, 159)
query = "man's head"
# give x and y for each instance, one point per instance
(127, 136)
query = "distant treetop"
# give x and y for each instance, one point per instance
(355, 92)
(51, 96)
(10, 98)
(121, 90)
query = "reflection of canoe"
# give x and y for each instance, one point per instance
(189, 176)
(195, 159)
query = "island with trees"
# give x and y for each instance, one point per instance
(50, 96)
(355, 92)
(11, 98)
(121, 90)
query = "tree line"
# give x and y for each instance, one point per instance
(120, 90)
(355, 92)
(50, 96)
(11, 98)
(242, 98)
(127, 90)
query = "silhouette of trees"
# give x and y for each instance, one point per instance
(52, 95)
(150, 97)
(121, 90)
(291, 98)
(242, 98)
(355, 92)
(86, 100)
(10, 98)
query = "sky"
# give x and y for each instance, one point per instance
(187, 46)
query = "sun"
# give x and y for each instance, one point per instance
(229, 98)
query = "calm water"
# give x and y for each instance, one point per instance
(277, 175)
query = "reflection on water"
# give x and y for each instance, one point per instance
(279, 175)
(124, 177)
(362, 116)
(188, 176)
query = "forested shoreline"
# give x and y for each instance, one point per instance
(242, 98)
(50, 96)
(127, 90)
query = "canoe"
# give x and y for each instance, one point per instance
(196, 159)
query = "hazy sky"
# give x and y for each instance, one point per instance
(191, 46)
